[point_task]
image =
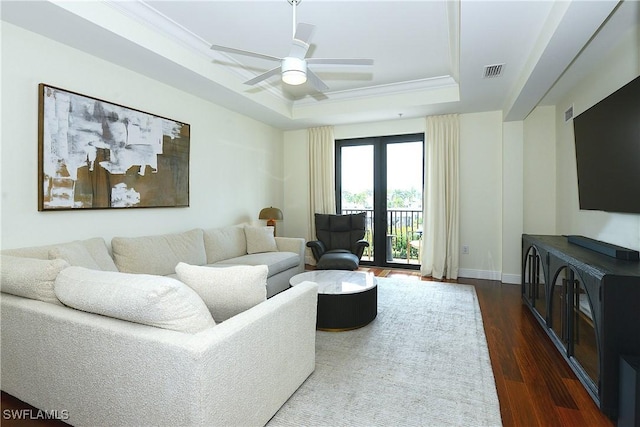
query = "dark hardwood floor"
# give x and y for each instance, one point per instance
(535, 386)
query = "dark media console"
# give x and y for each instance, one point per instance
(587, 303)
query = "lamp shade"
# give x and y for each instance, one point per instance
(271, 213)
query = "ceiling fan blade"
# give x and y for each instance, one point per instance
(264, 76)
(339, 61)
(301, 40)
(304, 32)
(315, 82)
(244, 52)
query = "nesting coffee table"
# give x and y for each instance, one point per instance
(346, 299)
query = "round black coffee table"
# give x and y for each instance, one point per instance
(346, 299)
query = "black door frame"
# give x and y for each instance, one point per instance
(379, 144)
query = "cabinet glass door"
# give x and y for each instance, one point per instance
(585, 348)
(559, 309)
(534, 284)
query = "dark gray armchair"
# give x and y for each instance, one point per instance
(340, 243)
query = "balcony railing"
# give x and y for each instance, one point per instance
(404, 235)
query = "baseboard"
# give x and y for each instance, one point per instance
(479, 274)
(513, 279)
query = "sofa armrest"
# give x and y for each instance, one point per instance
(292, 244)
(255, 361)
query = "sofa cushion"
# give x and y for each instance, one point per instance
(96, 248)
(224, 243)
(30, 277)
(158, 254)
(276, 262)
(226, 291)
(90, 253)
(75, 254)
(260, 239)
(150, 300)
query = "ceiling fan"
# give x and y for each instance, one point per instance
(294, 67)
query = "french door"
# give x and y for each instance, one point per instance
(383, 176)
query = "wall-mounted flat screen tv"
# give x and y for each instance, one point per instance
(607, 138)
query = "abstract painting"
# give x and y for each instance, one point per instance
(94, 154)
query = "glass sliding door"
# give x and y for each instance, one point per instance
(404, 202)
(383, 176)
(356, 187)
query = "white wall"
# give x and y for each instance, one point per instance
(480, 181)
(512, 200)
(481, 195)
(394, 127)
(296, 183)
(539, 215)
(621, 65)
(236, 163)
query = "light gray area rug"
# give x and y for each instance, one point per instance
(423, 361)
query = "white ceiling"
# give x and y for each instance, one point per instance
(429, 55)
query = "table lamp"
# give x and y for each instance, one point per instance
(272, 215)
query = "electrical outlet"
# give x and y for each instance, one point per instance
(465, 249)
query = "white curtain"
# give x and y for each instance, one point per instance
(321, 175)
(441, 198)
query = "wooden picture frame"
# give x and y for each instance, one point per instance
(94, 154)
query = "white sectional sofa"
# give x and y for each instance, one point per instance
(218, 247)
(157, 357)
(159, 254)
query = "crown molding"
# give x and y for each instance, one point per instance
(398, 88)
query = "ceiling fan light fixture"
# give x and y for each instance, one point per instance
(293, 68)
(294, 77)
(294, 71)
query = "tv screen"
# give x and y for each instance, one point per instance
(607, 138)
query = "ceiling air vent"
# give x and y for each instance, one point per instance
(568, 114)
(494, 70)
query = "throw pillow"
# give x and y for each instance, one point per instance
(75, 254)
(226, 291)
(260, 239)
(30, 277)
(157, 301)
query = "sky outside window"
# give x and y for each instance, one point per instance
(404, 172)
